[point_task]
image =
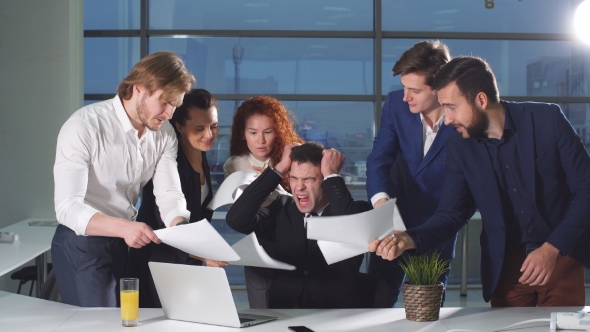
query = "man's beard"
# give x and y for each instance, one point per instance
(479, 125)
(142, 113)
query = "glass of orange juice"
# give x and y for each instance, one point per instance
(129, 301)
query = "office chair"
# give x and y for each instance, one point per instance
(49, 291)
(26, 274)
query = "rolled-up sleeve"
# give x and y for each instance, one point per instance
(70, 174)
(167, 188)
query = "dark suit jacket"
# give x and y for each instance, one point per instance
(417, 179)
(150, 214)
(314, 284)
(556, 177)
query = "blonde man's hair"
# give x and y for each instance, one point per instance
(158, 71)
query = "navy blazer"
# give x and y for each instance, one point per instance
(417, 180)
(556, 178)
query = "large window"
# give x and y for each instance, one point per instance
(330, 61)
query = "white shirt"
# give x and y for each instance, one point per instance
(244, 162)
(428, 136)
(309, 216)
(101, 166)
(204, 192)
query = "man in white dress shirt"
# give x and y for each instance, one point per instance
(106, 152)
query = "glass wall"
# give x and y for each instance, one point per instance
(330, 61)
(505, 16)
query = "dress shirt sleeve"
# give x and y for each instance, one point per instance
(167, 188)
(70, 173)
(385, 148)
(248, 214)
(228, 166)
(379, 196)
(234, 164)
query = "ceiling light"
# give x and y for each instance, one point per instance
(581, 21)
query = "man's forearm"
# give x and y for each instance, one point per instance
(243, 213)
(103, 225)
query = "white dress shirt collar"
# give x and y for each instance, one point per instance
(122, 114)
(428, 133)
(318, 212)
(255, 162)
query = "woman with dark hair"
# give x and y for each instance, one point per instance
(261, 128)
(196, 128)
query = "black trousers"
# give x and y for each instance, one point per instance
(88, 268)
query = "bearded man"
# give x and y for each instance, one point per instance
(528, 172)
(106, 153)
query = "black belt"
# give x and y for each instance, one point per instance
(521, 250)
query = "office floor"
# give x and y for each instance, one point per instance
(453, 299)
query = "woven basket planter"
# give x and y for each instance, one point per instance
(422, 302)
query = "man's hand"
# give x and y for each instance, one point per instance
(332, 161)
(210, 262)
(538, 266)
(380, 202)
(138, 234)
(284, 166)
(390, 247)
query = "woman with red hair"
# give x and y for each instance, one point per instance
(261, 128)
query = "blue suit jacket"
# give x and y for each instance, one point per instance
(416, 180)
(556, 176)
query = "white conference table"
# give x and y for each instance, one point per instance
(22, 313)
(33, 243)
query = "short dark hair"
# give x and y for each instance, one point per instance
(424, 58)
(197, 98)
(472, 75)
(311, 152)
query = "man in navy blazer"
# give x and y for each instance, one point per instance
(408, 159)
(529, 174)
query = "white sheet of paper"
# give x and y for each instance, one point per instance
(199, 239)
(360, 228)
(231, 188)
(335, 252)
(252, 254)
(342, 237)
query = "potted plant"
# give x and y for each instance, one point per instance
(423, 292)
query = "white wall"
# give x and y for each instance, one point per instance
(41, 84)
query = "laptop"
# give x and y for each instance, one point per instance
(199, 294)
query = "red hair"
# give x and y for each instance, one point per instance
(283, 125)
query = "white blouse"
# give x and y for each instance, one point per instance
(242, 163)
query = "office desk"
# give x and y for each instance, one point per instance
(23, 313)
(34, 242)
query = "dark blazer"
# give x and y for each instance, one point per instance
(556, 176)
(314, 284)
(150, 214)
(416, 180)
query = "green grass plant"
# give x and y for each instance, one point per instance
(424, 269)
